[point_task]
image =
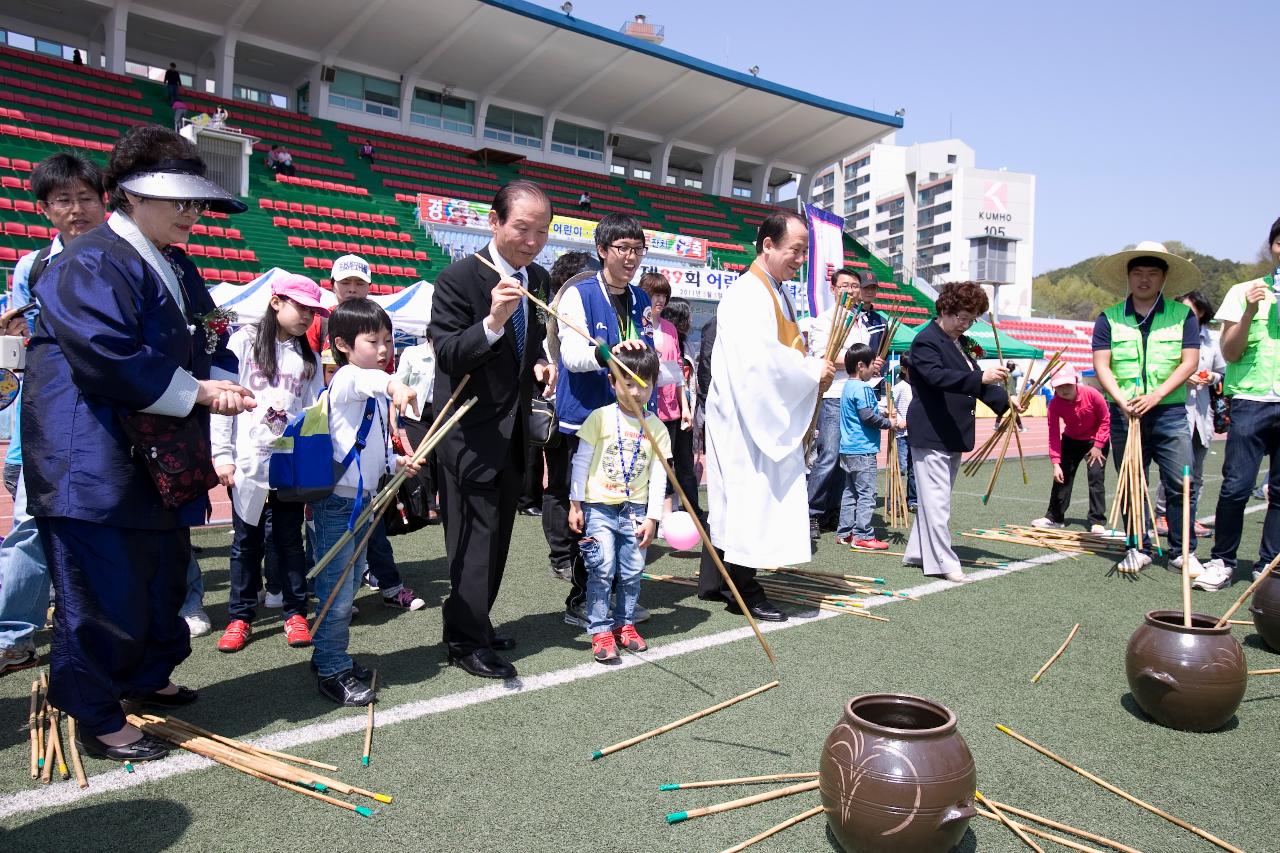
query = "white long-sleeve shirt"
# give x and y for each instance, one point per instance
(350, 387)
(245, 440)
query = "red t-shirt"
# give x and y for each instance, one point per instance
(1086, 418)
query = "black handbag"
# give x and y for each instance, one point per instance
(409, 511)
(543, 424)
(1221, 407)
(175, 452)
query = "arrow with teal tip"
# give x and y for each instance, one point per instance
(597, 754)
(670, 786)
(364, 811)
(676, 817)
(364, 761)
(128, 767)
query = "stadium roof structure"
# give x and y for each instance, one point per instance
(660, 103)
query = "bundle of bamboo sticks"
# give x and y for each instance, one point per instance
(281, 769)
(1007, 427)
(895, 500)
(45, 733)
(796, 589)
(1071, 542)
(1132, 503)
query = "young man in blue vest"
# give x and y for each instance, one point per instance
(615, 311)
(1144, 350)
(1251, 347)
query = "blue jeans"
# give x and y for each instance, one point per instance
(194, 602)
(1254, 434)
(279, 533)
(609, 550)
(382, 561)
(329, 517)
(24, 579)
(1166, 438)
(858, 500)
(825, 481)
(905, 468)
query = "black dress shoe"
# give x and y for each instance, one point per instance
(531, 511)
(815, 529)
(184, 696)
(502, 643)
(361, 672)
(483, 663)
(764, 611)
(146, 748)
(345, 689)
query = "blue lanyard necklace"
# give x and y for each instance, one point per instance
(628, 469)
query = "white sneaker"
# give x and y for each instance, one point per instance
(1195, 568)
(1133, 561)
(198, 623)
(1046, 522)
(1215, 576)
(1103, 530)
(273, 600)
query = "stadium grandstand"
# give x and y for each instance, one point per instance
(455, 98)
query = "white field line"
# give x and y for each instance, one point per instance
(65, 793)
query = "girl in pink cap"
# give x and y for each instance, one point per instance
(278, 363)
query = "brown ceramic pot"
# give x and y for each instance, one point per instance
(1185, 678)
(1266, 611)
(896, 777)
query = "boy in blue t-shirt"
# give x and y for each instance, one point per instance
(860, 426)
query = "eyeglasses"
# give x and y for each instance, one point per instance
(183, 205)
(628, 251)
(66, 203)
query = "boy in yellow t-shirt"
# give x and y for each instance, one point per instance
(616, 496)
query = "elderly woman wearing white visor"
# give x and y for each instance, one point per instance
(127, 360)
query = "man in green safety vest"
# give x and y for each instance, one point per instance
(1144, 350)
(1250, 345)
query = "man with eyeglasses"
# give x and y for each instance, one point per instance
(617, 312)
(68, 189)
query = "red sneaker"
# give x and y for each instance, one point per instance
(296, 632)
(870, 545)
(630, 639)
(603, 647)
(235, 637)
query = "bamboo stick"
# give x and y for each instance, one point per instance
(76, 763)
(1239, 602)
(1186, 546)
(1016, 829)
(345, 573)
(368, 724)
(41, 706)
(774, 830)
(634, 410)
(363, 811)
(660, 730)
(1212, 839)
(1240, 622)
(239, 744)
(31, 728)
(743, 802)
(1062, 648)
(1065, 827)
(1040, 833)
(386, 496)
(46, 769)
(604, 351)
(1264, 672)
(741, 780)
(56, 734)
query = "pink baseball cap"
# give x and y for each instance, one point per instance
(301, 290)
(1066, 375)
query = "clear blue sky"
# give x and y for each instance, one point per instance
(1140, 120)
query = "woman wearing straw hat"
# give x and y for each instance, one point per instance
(126, 328)
(1144, 351)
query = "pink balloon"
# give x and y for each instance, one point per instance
(679, 531)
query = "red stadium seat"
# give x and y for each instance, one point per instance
(7, 254)
(23, 206)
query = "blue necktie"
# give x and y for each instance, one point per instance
(519, 322)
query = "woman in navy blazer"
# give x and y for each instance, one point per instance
(946, 380)
(121, 331)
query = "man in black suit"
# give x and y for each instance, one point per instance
(483, 326)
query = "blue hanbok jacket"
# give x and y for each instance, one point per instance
(108, 340)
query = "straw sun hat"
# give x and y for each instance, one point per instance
(1113, 271)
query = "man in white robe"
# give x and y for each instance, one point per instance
(763, 392)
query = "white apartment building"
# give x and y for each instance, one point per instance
(929, 211)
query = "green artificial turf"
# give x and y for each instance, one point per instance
(515, 772)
